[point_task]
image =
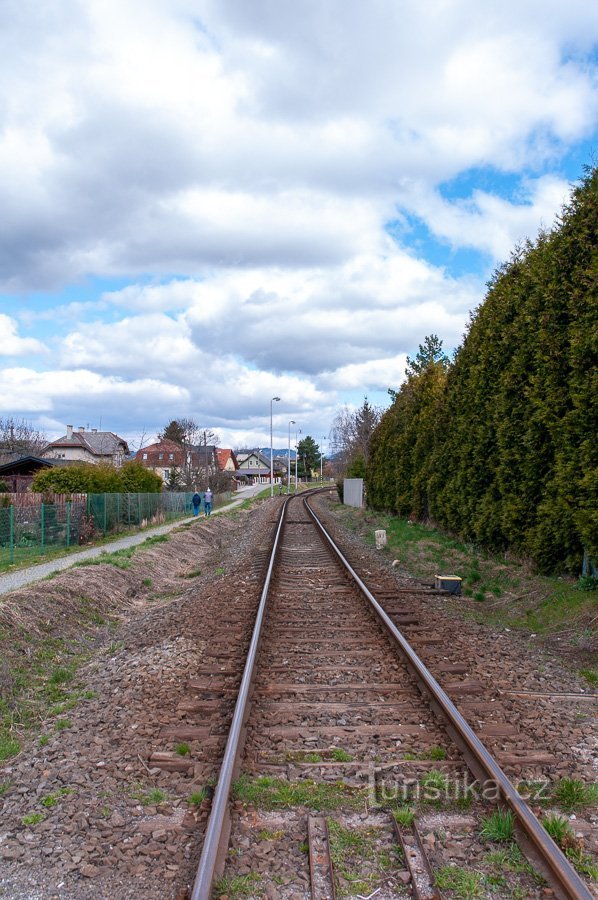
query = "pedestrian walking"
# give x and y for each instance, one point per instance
(207, 502)
(196, 501)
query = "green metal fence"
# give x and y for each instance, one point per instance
(28, 531)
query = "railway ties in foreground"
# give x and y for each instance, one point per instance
(320, 750)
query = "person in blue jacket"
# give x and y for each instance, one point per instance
(196, 501)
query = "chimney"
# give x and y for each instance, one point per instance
(81, 428)
(69, 432)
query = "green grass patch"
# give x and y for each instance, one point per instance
(197, 797)
(358, 864)
(404, 816)
(464, 883)
(237, 885)
(276, 793)
(509, 859)
(119, 558)
(590, 675)
(33, 819)
(152, 541)
(558, 828)
(340, 755)
(52, 800)
(499, 826)
(572, 794)
(435, 753)
(149, 796)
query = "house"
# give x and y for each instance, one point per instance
(186, 467)
(254, 468)
(88, 446)
(19, 473)
(226, 460)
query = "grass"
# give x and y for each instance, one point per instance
(61, 724)
(435, 753)
(195, 573)
(151, 797)
(197, 797)
(508, 859)
(358, 863)
(52, 800)
(340, 755)
(590, 675)
(236, 886)
(572, 794)
(499, 826)
(558, 828)
(119, 558)
(267, 835)
(464, 883)
(404, 816)
(276, 793)
(183, 749)
(33, 818)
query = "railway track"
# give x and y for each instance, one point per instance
(332, 695)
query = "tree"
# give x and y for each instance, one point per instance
(174, 431)
(429, 352)
(198, 464)
(84, 478)
(20, 436)
(308, 457)
(499, 447)
(351, 433)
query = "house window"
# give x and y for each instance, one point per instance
(171, 456)
(145, 456)
(160, 456)
(166, 474)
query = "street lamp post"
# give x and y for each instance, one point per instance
(297, 433)
(322, 461)
(291, 422)
(271, 452)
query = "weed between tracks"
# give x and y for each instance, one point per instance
(358, 858)
(275, 793)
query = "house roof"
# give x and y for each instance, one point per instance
(163, 446)
(28, 464)
(257, 454)
(222, 457)
(99, 443)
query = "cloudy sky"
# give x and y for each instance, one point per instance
(207, 203)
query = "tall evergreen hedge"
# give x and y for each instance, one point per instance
(502, 449)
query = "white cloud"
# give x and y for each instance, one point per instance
(247, 158)
(13, 345)
(488, 222)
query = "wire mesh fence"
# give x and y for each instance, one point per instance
(29, 530)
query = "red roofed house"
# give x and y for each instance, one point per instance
(186, 467)
(226, 460)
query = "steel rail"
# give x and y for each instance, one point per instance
(564, 880)
(202, 887)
